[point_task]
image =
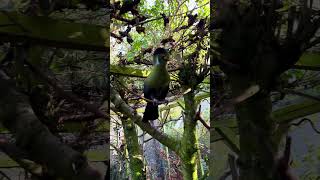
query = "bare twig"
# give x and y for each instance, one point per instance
(313, 43)
(116, 36)
(77, 118)
(308, 120)
(198, 117)
(20, 156)
(121, 154)
(69, 96)
(4, 175)
(145, 141)
(158, 18)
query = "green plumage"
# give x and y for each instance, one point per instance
(156, 85)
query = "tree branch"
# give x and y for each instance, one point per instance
(120, 153)
(302, 67)
(290, 91)
(33, 137)
(312, 43)
(198, 117)
(4, 175)
(20, 157)
(69, 96)
(308, 120)
(124, 108)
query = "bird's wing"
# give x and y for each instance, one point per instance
(162, 93)
(148, 91)
(159, 93)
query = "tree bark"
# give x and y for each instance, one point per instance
(189, 142)
(134, 151)
(118, 105)
(62, 34)
(187, 149)
(256, 127)
(252, 55)
(35, 139)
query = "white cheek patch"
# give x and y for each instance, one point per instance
(156, 62)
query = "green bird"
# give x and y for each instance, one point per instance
(156, 86)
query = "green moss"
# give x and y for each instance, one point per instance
(189, 144)
(61, 33)
(310, 59)
(97, 155)
(296, 111)
(135, 154)
(6, 161)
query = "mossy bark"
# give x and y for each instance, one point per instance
(52, 32)
(186, 149)
(36, 140)
(134, 151)
(201, 170)
(189, 144)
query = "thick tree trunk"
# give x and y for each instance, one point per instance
(35, 139)
(135, 154)
(189, 141)
(258, 151)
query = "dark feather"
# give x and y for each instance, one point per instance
(151, 111)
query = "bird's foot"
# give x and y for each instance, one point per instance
(157, 102)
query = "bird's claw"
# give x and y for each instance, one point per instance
(157, 102)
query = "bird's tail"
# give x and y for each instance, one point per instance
(150, 113)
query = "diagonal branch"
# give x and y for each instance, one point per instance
(69, 96)
(302, 67)
(4, 175)
(290, 91)
(17, 115)
(20, 157)
(312, 43)
(308, 120)
(124, 108)
(198, 117)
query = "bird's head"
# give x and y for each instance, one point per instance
(161, 56)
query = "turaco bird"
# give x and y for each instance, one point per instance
(156, 86)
